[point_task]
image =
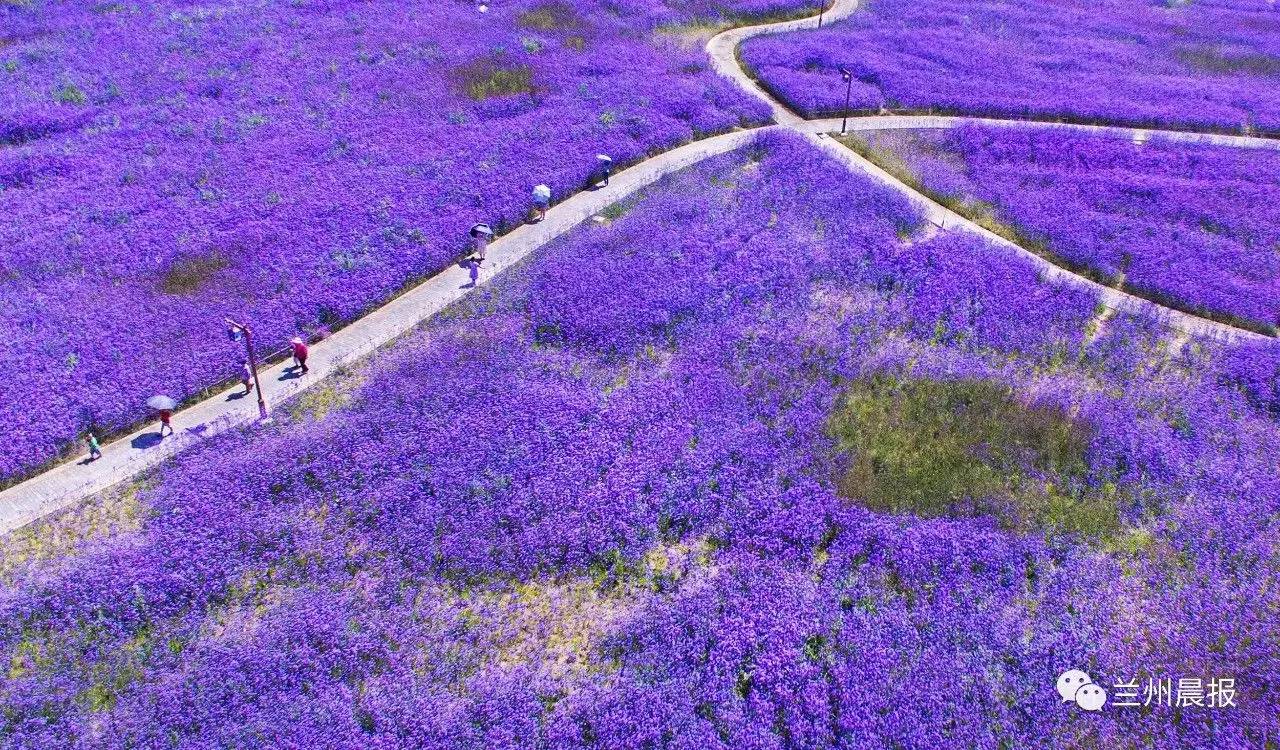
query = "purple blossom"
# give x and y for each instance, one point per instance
(1207, 65)
(655, 497)
(1192, 227)
(165, 165)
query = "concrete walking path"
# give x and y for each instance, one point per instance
(723, 49)
(126, 457)
(1118, 301)
(1120, 132)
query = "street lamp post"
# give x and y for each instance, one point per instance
(847, 76)
(822, 7)
(236, 330)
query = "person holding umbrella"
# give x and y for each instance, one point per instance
(604, 168)
(541, 199)
(165, 406)
(480, 236)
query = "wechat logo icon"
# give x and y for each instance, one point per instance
(1075, 686)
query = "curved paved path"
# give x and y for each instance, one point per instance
(928, 122)
(135, 453)
(723, 49)
(70, 482)
(1111, 298)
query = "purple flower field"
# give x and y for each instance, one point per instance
(678, 512)
(1196, 228)
(164, 165)
(1207, 64)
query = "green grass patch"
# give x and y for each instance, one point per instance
(1213, 60)
(69, 93)
(618, 210)
(967, 448)
(551, 16)
(333, 393)
(190, 275)
(67, 533)
(493, 76)
(557, 17)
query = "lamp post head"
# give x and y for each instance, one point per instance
(846, 75)
(236, 330)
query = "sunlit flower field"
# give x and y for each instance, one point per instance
(166, 165)
(758, 456)
(1202, 64)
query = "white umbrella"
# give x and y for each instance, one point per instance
(481, 230)
(604, 159)
(542, 193)
(162, 403)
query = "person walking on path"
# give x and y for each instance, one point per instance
(246, 377)
(165, 406)
(95, 450)
(299, 354)
(541, 199)
(604, 168)
(480, 236)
